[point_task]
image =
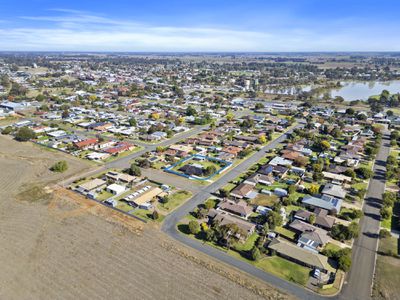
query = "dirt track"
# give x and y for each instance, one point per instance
(56, 245)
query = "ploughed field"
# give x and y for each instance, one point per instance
(57, 245)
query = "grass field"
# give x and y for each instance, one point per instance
(387, 278)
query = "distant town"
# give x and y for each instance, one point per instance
(283, 166)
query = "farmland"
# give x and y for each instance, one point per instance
(57, 244)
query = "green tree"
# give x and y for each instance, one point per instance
(194, 227)
(312, 219)
(134, 170)
(155, 215)
(60, 166)
(255, 253)
(25, 134)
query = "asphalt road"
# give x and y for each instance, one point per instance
(360, 279)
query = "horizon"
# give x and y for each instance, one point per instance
(303, 26)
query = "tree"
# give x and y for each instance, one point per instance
(314, 189)
(259, 106)
(325, 145)
(301, 161)
(60, 166)
(255, 253)
(194, 227)
(384, 233)
(344, 261)
(312, 219)
(350, 111)
(364, 172)
(144, 163)
(164, 199)
(274, 219)
(350, 172)
(229, 116)
(191, 111)
(132, 122)
(262, 139)
(25, 134)
(386, 212)
(134, 170)
(7, 130)
(209, 170)
(209, 204)
(155, 215)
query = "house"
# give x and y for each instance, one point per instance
(313, 240)
(120, 177)
(119, 148)
(260, 178)
(280, 192)
(301, 256)
(91, 185)
(147, 196)
(280, 161)
(85, 144)
(277, 171)
(243, 190)
(331, 204)
(239, 208)
(223, 218)
(322, 219)
(192, 169)
(334, 190)
(115, 189)
(336, 178)
(97, 156)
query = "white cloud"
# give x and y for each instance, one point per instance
(81, 31)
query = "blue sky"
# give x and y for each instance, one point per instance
(200, 25)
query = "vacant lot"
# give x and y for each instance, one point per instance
(57, 245)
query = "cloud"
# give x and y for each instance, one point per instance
(72, 30)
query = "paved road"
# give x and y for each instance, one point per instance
(360, 278)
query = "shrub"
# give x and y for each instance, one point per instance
(60, 166)
(25, 134)
(194, 227)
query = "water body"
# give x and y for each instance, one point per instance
(358, 90)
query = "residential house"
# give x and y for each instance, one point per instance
(239, 208)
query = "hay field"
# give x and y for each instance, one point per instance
(58, 245)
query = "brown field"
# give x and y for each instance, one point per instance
(58, 245)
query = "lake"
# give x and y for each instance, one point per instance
(356, 90)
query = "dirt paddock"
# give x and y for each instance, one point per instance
(58, 245)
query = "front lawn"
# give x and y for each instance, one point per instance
(285, 269)
(175, 200)
(285, 233)
(247, 245)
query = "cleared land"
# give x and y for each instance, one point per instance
(57, 245)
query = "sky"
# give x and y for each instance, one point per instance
(200, 25)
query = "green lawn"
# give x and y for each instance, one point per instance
(265, 200)
(389, 245)
(175, 200)
(285, 269)
(333, 247)
(387, 223)
(146, 215)
(285, 232)
(104, 195)
(248, 244)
